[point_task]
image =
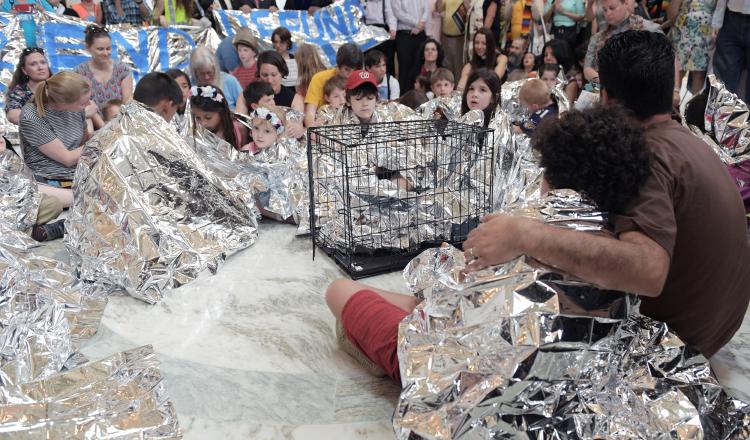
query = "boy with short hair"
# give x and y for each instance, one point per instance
(111, 109)
(361, 94)
(159, 92)
(334, 92)
(535, 96)
(388, 87)
(442, 82)
(349, 58)
(258, 94)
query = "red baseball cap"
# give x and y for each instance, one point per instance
(359, 77)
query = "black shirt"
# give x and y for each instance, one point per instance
(284, 97)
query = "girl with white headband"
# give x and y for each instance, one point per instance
(211, 110)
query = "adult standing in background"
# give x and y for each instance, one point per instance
(691, 37)
(88, 10)
(109, 79)
(566, 16)
(133, 12)
(731, 27)
(411, 17)
(452, 37)
(248, 5)
(380, 13)
(491, 14)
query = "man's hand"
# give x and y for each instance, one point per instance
(294, 130)
(245, 9)
(714, 35)
(418, 28)
(392, 34)
(497, 240)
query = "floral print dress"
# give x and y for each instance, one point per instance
(691, 34)
(112, 89)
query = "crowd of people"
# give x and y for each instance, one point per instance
(633, 55)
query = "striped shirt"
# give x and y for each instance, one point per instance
(36, 131)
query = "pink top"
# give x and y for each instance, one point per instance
(240, 133)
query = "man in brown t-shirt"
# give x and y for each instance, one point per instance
(682, 242)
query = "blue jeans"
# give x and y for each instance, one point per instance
(733, 51)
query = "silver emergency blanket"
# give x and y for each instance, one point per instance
(522, 351)
(726, 121)
(19, 195)
(122, 396)
(441, 107)
(149, 213)
(326, 29)
(398, 184)
(143, 48)
(45, 311)
(518, 176)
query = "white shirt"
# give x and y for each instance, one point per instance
(383, 89)
(739, 6)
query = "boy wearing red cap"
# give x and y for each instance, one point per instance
(361, 94)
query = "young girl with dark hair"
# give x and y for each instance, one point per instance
(211, 110)
(482, 93)
(484, 54)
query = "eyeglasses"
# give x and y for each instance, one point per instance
(94, 29)
(30, 50)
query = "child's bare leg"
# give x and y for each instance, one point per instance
(64, 195)
(341, 290)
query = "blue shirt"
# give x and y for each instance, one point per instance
(575, 7)
(227, 55)
(231, 88)
(529, 125)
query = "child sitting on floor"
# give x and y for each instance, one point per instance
(548, 73)
(266, 125)
(442, 82)
(210, 109)
(111, 109)
(536, 99)
(334, 93)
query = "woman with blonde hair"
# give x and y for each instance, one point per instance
(204, 70)
(308, 64)
(53, 129)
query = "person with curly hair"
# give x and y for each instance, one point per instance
(681, 241)
(581, 147)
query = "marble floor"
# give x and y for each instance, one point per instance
(250, 353)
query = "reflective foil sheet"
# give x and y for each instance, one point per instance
(726, 120)
(119, 397)
(45, 311)
(19, 195)
(522, 351)
(436, 108)
(149, 212)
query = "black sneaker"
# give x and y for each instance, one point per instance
(50, 231)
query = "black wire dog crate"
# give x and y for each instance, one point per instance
(382, 193)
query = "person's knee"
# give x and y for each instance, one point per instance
(337, 294)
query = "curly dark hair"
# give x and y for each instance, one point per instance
(599, 152)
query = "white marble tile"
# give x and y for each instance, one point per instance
(251, 352)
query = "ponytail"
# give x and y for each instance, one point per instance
(61, 88)
(40, 97)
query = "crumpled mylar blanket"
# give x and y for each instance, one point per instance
(726, 121)
(122, 396)
(448, 107)
(518, 175)
(19, 195)
(397, 184)
(280, 181)
(522, 351)
(45, 311)
(149, 213)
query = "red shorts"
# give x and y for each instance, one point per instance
(371, 323)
